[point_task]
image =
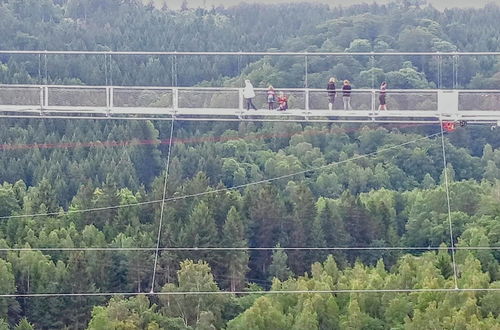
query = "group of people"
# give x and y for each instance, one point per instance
(282, 99)
(346, 94)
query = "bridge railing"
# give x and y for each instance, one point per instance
(480, 100)
(21, 95)
(173, 99)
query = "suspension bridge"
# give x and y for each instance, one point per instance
(306, 104)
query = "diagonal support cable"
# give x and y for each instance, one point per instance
(447, 188)
(162, 209)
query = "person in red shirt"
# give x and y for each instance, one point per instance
(282, 101)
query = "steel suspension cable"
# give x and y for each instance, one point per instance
(447, 189)
(106, 69)
(162, 209)
(46, 70)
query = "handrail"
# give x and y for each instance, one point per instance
(291, 89)
(236, 53)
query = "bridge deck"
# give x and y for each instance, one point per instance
(197, 103)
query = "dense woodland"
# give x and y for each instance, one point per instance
(328, 196)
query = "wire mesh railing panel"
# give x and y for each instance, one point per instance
(482, 101)
(319, 100)
(77, 97)
(146, 98)
(359, 100)
(296, 99)
(210, 99)
(19, 95)
(422, 101)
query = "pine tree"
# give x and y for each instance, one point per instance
(354, 318)
(450, 171)
(444, 261)
(4, 325)
(307, 318)
(7, 285)
(264, 314)
(24, 325)
(358, 222)
(318, 239)
(428, 182)
(333, 227)
(266, 216)
(193, 277)
(107, 196)
(200, 230)
(79, 280)
(279, 267)
(303, 217)
(236, 261)
(83, 200)
(41, 196)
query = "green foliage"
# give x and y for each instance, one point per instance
(396, 197)
(262, 315)
(193, 309)
(7, 286)
(236, 261)
(279, 268)
(133, 313)
(24, 325)
(294, 213)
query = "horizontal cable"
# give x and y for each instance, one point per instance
(210, 192)
(233, 53)
(343, 248)
(273, 292)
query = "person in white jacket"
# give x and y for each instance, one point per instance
(249, 94)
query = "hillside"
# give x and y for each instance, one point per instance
(438, 4)
(353, 219)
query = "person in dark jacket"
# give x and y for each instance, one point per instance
(381, 98)
(346, 95)
(331, 93)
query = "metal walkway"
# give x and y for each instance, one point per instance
(227, 104)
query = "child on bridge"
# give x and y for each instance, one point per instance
(283, 102)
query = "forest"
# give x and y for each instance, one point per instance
(354, 219)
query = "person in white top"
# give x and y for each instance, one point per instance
(249, 94)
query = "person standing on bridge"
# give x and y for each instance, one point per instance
(346, 95)
(381, 98)
(331, 93)
(271, 97)
(249, 94)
